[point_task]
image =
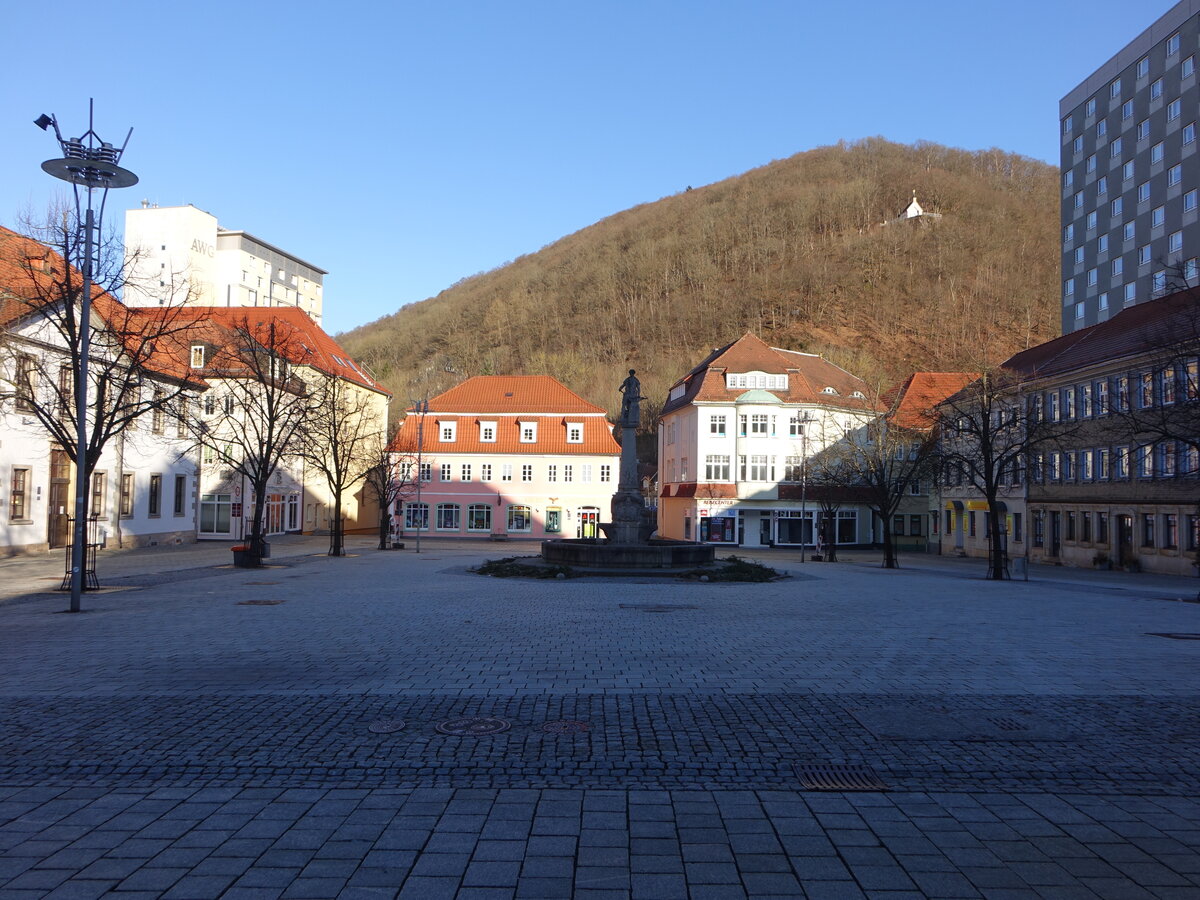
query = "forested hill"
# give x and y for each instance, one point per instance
(794, 251)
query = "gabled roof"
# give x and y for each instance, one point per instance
(298, 338)
(551, 436)
(912, 404)
(511, 395)
(1136, 330)
(30, 273)
(809, 377)
(509, 400)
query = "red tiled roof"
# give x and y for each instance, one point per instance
(912, 404)
(31, 274)
(551, 436)
(512, 394)
(808, 376)
(1137, 330)
(508, 400)
(297, 337)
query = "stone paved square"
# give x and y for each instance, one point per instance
(1037, 739)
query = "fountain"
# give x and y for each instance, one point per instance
(627, 543)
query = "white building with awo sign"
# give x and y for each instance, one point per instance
(736, 441)
(180, 254)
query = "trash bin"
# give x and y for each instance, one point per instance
(1019, 566)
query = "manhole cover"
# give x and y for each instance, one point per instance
(473, 726)
(1175, 635)
(385, 726)
(837, 777)
(657, 607)
(259, 602)
(566, 726)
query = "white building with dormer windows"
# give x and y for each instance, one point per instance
(735, 441)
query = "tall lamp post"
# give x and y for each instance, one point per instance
(804, 423)
(422, 409)
(91, 164)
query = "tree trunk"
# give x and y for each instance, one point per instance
(889, 549)
(830, 539)
(996, 571)
(385, 521)
(336, 538)
(255, 542)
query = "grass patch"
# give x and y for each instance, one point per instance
(734, 568)
(513, 567)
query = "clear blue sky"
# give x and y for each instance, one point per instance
(403, 146)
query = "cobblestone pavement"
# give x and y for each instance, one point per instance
(212, 732)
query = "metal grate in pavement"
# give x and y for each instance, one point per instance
(838, 777)
(657, 607)
(473, 726)
(385, 726)
(259, 602)
(565, 726)
(1007, 723)
(1176, 635)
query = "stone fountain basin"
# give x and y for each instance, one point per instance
(659, 553)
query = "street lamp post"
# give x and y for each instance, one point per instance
(422, 408)
(804, 423)
(87, 162)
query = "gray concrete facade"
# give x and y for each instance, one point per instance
(1130, 172)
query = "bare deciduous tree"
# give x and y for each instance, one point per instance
(340, 440)
(989, 430)
(390, 479)
(131, 371)
(261, 408)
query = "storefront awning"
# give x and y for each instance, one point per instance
(955, 505)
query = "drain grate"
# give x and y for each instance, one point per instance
(259, 602)
(473, 726)
(657, 607)
(385, 726)
(566, 726)
(1007, 724)
(838, 777)
(1176, 635)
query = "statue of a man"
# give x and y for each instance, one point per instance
(631, 390)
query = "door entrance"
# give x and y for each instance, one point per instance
(589, 522)
(1055, 534)
(1124, 540)
(274, 514)
(764, 530)
(60, 492)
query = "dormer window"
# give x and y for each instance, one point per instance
(197, 356)
(574, 432)
(756, 380)
(487, 432)
(829, 390)
(858, 395)
(528, 432)
(446, 432)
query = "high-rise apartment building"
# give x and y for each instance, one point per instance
(1130, 174)
(179, 254)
